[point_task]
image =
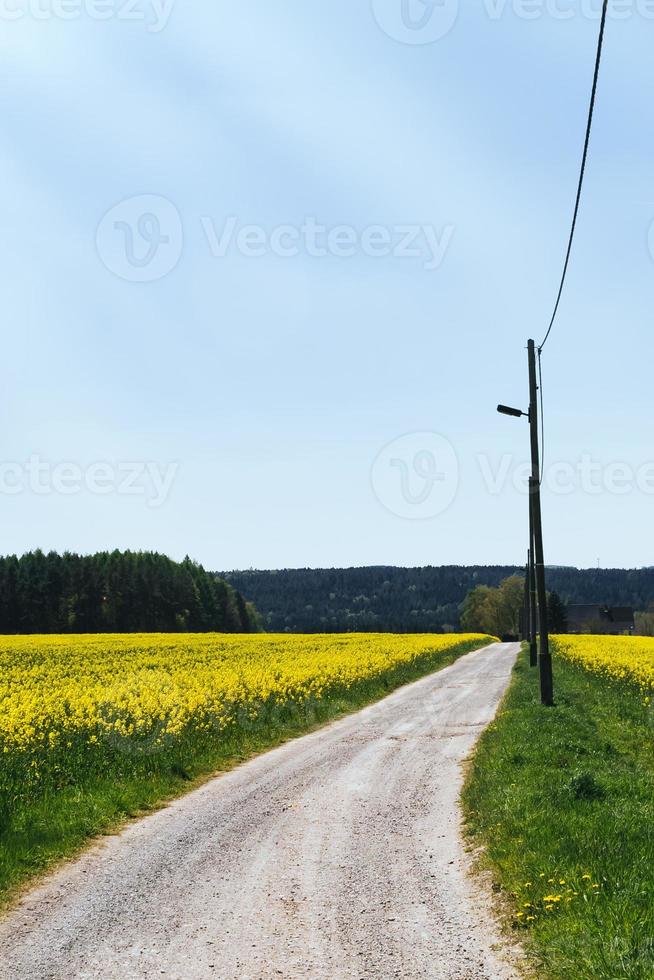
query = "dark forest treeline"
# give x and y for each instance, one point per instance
(413, 599)
(116, 592)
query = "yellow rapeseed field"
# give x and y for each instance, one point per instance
(618, 658)
(76, 705)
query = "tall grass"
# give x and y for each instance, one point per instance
(563, 800)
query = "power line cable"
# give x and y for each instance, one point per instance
(598, 61)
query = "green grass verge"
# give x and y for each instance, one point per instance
(39, 834)
(563, 801)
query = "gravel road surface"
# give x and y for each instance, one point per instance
(336, 856)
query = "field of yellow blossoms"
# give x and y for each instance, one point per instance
(618, 658)
(73, 706)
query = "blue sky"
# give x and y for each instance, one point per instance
(317, 409)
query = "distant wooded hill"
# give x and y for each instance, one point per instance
(412, 599)
(138, 592)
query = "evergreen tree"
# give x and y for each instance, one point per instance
(116, 592)
(557, 617)
(413, 600)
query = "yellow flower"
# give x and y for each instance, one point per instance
(71, 701)
(617, 658)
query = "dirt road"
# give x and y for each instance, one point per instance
(335, 856)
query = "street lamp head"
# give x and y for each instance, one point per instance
(514, 412)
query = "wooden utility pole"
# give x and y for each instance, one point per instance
(533, 616)
(544, 655)
(525, 628)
